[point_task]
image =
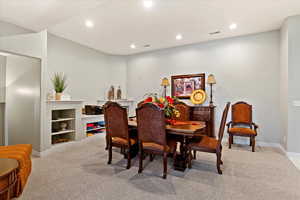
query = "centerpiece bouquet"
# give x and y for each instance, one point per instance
(166, 103)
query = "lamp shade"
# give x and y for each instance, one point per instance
(165, 82)
(211, 79)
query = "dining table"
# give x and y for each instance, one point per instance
(184, 131)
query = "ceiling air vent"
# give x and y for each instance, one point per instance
(215, 33)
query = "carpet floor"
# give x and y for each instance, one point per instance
(79, 171)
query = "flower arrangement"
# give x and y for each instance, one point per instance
(166, 103)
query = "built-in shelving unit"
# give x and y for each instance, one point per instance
(64, 119)
(63, 126)
(93, 124)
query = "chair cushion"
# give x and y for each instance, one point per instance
(171, 146)
(242, 130)
(206, 142)
(122, 141)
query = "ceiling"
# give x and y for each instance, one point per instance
(120, 23)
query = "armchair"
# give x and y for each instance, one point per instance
(242, 124)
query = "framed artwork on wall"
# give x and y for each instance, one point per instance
(183, 86)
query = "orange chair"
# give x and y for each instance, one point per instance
(22, 153)
(241, 124)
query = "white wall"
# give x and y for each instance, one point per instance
(293, 140)
(246, 68)
(90, 73)
(23, 80)
(2, 78)
(2, 97)
(284, 83)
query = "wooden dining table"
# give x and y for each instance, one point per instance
(184, 131)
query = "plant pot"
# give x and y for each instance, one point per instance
(58, 96)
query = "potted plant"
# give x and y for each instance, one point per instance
(60, 84)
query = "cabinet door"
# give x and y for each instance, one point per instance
(2, 78)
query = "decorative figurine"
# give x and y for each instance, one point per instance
(119, 93)
(111, 93)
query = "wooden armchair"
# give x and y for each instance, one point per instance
(209, 144)
(118, 135)
(152, 135)
(242, 124)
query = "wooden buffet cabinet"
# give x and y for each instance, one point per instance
(206, 114)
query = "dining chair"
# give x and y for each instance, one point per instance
(184, 111)
(209, 144)
(152, 135)
(117, 132)
(241, 123)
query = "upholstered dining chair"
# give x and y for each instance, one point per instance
(117, 132)
(152, 135)
(211, 145)
(241, 123)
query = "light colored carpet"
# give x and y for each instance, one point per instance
(79, 171)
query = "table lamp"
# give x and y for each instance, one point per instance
(165, 83)
(211, 81)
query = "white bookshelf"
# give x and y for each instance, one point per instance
(61, 113)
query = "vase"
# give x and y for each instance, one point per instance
(63, 126)
(58, 96)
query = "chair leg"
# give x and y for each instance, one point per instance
(194, 153)
(109, 154)
(230, 141)
(106, 138)
(165, 165)
(190, 158)
(219, 162)
(141, 157)
(151, 157)
(253, 143)
(128, 159)
(250, 141)
(221, 155)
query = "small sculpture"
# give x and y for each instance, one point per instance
(119, 93)
(111, 93)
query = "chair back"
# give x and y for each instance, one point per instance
(140, 104)
(116, 121)
(241, 113)
(151, 124)
(184, 111)
(223, 124)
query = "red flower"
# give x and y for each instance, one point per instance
(170, 100)
(148, 100)
(160, 105)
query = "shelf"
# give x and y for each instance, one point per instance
(63, 119)
(63, 132)
(91, 116)
(95, 129)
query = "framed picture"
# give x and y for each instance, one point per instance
(182, 86)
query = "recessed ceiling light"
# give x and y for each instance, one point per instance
(89, 24)
(233, 26)
(178, 37)
(132, 46)
(148, 3)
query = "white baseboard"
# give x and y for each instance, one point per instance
(63, 146)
